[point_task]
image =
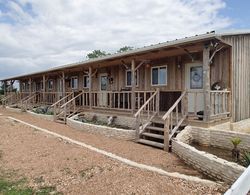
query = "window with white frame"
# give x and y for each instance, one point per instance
(85, 81)
(50, 84)
(74, 82)
(159, 75)
(129, 78)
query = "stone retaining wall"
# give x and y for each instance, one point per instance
(44, 116)
(104, 130)
(209, 164)
(119, 119)
(219, 138)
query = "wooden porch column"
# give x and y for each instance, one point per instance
(20, 86)
(30, 86)
(90, 87)
(44, 87)
(63, 84)
(206, 83)
(133, 84)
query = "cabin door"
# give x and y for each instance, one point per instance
(60, 88)
(103, 95)
(194, 87)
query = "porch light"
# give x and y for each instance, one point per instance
(148, 65)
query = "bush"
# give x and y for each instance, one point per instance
(246, 159)
(236, 141)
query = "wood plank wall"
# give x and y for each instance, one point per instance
(240, 75)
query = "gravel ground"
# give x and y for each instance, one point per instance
(46, 160)
(127, 149)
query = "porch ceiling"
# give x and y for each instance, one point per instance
(153, 52)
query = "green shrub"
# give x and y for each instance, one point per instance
(246, 159)
(236, 141)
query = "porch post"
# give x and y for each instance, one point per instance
(133, 83)
(30, 86)
(90, 87)
(44, 87)
(19, 95)
(206, 81)
(20, 86)
(63, 84)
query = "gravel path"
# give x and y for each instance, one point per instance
(45, 160)
(127, 149)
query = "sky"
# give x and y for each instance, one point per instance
(40, 34)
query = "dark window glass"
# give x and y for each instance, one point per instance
(154, 76)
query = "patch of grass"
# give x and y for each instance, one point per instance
(10, 186)
(39, 179)
(47, 190)
(14, 188)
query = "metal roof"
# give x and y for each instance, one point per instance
(176, 42)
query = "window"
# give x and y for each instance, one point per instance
(74, 82)
(129, 78)
(85, 81)
(50, 84)
(159, 75)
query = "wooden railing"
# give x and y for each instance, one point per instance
(220, 103)
(150, 108)
(195, 101)
(57, 105)
(10, 99)
(118, 100)
(174, 117)
(29, 101)
(70, 107)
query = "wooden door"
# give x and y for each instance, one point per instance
(194, 86)
(103, 87)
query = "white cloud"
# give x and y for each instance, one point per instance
(64, 31)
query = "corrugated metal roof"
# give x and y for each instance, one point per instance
(176, 42)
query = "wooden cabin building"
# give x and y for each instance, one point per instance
(196, 80)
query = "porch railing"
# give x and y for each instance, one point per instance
(150, 108)
(57, 110)
(118, 100)
(174, 117)
(220, 103)
(70, 107)
(10, 99)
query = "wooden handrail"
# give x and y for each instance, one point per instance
(174, 105)
(72, 99)
(62, 99)
(146, 103)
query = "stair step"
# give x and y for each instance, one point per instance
(151, 143)
(153, 135)
(60, 121)
(155, 128)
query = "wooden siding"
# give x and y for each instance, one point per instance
(240, 75)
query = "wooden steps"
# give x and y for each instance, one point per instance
(157, 136)
(151, 143)
(155, 128)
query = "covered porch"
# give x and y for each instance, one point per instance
(161, 87)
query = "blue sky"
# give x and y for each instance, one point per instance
(38, 34)
(239, 12)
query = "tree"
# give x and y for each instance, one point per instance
(97, 54)
(125, 48)
(2, 88)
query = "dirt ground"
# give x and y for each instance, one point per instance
(48, 161)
